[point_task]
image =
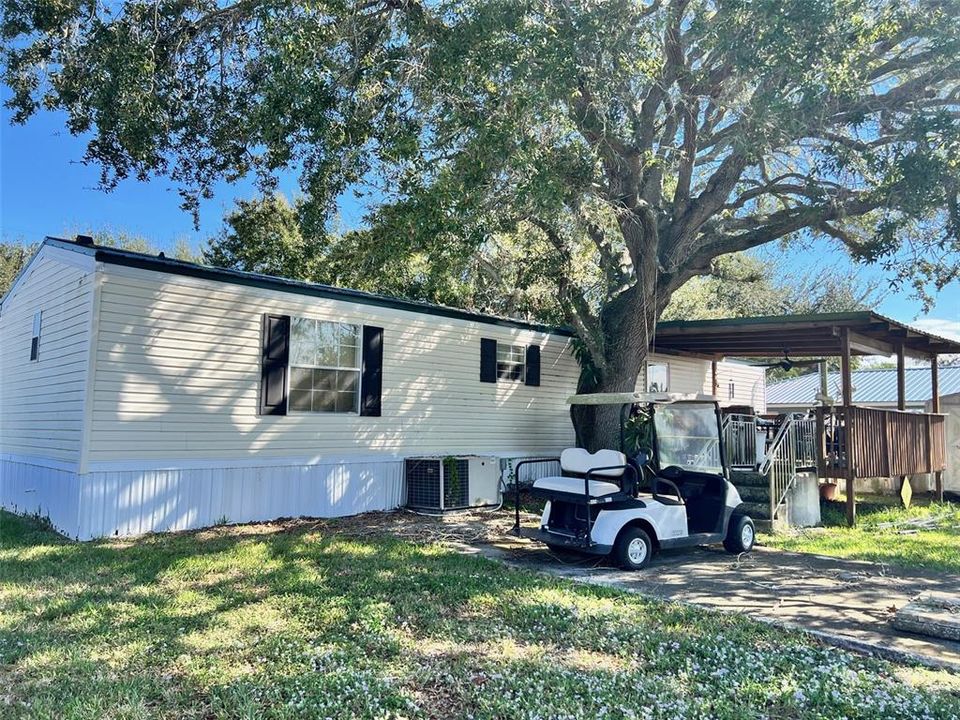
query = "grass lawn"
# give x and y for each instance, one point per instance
(883, 533)
(265, 622)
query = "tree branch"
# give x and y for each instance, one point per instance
(760, 230)
(578, 309)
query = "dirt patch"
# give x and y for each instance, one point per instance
(463, 527)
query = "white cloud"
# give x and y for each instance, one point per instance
(939, 326)
(949, 329)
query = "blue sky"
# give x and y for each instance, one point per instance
(46, 190)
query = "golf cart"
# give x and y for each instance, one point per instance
(666, 487)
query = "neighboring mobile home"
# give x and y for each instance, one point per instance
(140, 393)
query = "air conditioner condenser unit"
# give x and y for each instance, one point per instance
(441, 483)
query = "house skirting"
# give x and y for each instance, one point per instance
(38, 486)
(124, 501)
(107, 503)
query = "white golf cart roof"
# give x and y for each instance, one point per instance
(635, 397)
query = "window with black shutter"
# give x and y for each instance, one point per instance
(324, 366)
(505, 361)
(371, 372)
(488, 360)
(533, 366)
(275, 346)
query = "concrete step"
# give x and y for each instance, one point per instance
(757, 510)
(764, 526)
(748, 477)
(753, 493)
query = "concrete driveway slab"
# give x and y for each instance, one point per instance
(846, 602)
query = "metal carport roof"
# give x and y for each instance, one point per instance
(798, 335)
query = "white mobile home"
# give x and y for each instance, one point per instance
(140, 393)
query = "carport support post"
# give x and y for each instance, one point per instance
(935, 408)
(901, 379)
(847, 403)
(901, 396)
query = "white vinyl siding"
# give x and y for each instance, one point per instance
(749, 383)
(42, 401)
(693, 375)
(684, 375)
(178, 373)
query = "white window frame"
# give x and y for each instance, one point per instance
(507, 354)
(666, 373)
(291, 366)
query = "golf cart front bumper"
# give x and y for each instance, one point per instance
(567, 542)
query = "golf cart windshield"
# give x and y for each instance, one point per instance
(688, 436)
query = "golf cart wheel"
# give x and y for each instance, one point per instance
(741, 534)
(633, 549)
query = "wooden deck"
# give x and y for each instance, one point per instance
(877, 443)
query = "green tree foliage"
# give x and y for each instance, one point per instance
(123, 240)
(503, 276)
(742, 285)
(264, 236)
(13, 258)
(272, 236)
(648, 137)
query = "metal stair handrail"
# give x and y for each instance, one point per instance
(793, 447)
(739, 434)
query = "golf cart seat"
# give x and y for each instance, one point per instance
(576, 464)
(574, 486)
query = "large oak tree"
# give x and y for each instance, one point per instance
(636, 141)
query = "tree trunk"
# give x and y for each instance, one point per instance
(628, 324)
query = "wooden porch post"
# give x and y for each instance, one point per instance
(847, 383)
(714, 382)
(934, 385)
(901, 379)
(824, 383)
(935, 408)
(901, 405)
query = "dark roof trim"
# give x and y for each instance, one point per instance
(127, 258)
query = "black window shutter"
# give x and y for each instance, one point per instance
(533, 365)
(488, 360)
(275, 338)
(371, 371)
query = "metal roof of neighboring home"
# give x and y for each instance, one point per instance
(876, 385)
